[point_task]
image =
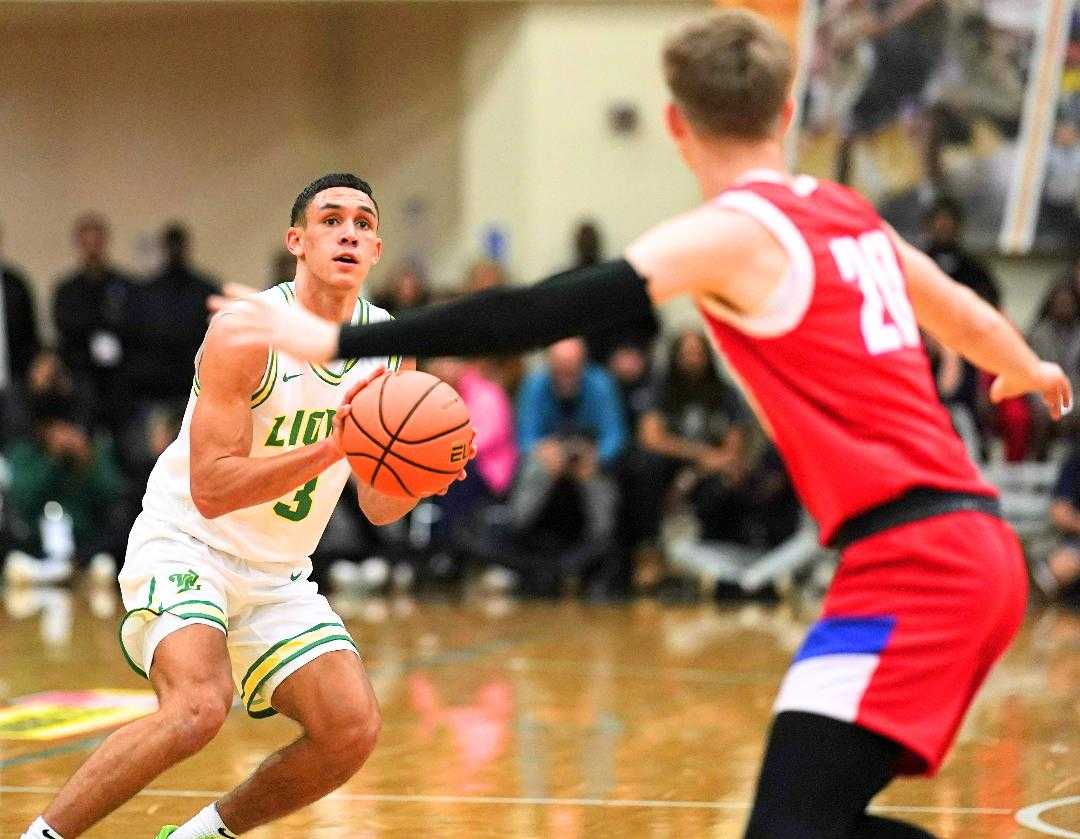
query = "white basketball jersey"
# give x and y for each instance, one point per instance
(293, 406)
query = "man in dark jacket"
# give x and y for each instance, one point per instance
(90, 309)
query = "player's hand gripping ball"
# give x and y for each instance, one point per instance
(407, 434)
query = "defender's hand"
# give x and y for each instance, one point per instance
(258, 322)
(1047, 380)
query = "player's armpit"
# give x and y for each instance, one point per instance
(713, 251)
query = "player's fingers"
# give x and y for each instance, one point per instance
(359, 386)
(238, 291)
(1065, 399)
(999, 390)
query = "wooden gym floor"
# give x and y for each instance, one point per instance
(560, 720)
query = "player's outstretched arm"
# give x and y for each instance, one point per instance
(223, 476)
(961, 320)
(707, 250)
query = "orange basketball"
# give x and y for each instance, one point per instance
(407, 434)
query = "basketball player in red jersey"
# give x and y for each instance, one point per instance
(817, 305)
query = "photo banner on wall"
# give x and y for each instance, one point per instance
(912, 102)
(1042, 211)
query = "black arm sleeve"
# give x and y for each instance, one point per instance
(509, 320)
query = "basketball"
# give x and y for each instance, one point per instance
(407, 434)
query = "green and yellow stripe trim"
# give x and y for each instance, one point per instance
(266, 384)
(202, 611)
(361, 316)
(280, 655)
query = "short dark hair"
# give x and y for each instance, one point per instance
(345, 179)
(730, 73)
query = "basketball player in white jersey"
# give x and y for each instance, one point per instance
(216, 574)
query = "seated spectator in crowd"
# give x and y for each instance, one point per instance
(959, 393)
(700, 429)
(484, 274)
(506, 371)
(66, 492)
(630, 366)
(571, 434)
(19, 344)
(1058, 575)
(943, 227)
(90, 310)
(588, 248)
(166, 324)
(406, 288)
(1055, 336)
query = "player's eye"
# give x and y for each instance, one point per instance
(332, 220)
(364, 223)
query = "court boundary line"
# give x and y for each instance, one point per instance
(1031, 817)
(492, 800)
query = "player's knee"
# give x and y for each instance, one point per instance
(348, 739)
(197, 716)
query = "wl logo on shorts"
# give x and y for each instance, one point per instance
(185, 581)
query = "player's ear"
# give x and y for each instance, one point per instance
(378, 251)
(294, 241)
(675, 122)
(787, 115)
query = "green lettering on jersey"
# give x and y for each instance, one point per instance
(330, 414)
(273, 439)
(311, 432)
(294, 432)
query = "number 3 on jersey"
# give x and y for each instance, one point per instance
(302, 500)
(870, 261)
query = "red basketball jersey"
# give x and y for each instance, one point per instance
(834, 364)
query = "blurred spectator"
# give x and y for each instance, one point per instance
(1055, 336)
(20, 340)
(406, 288)
(700, 439)
(484, 274)
(90, 309)
(589, 250)
(493, 469)
(943, 227)
(66, 489)
(571, 433)
(1058, 575)
(507, 371)
(1058, 221)
(958, 388)
(629, 365)
(19, 344)
(283, 269)
(167, 320)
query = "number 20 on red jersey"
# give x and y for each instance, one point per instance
(870, 261)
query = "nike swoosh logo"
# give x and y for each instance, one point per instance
(223, 832)
(288, 376)
(296, 576)
(48, 834)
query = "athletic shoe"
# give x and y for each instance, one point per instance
(168, 830)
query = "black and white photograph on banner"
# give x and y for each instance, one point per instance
(914, 102)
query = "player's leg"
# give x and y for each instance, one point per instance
(818, 777)
(192, 679)
(332, 699)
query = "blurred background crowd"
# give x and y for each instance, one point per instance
(612, 466)
(620, 464)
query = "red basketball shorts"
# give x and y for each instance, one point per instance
(914, 620)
